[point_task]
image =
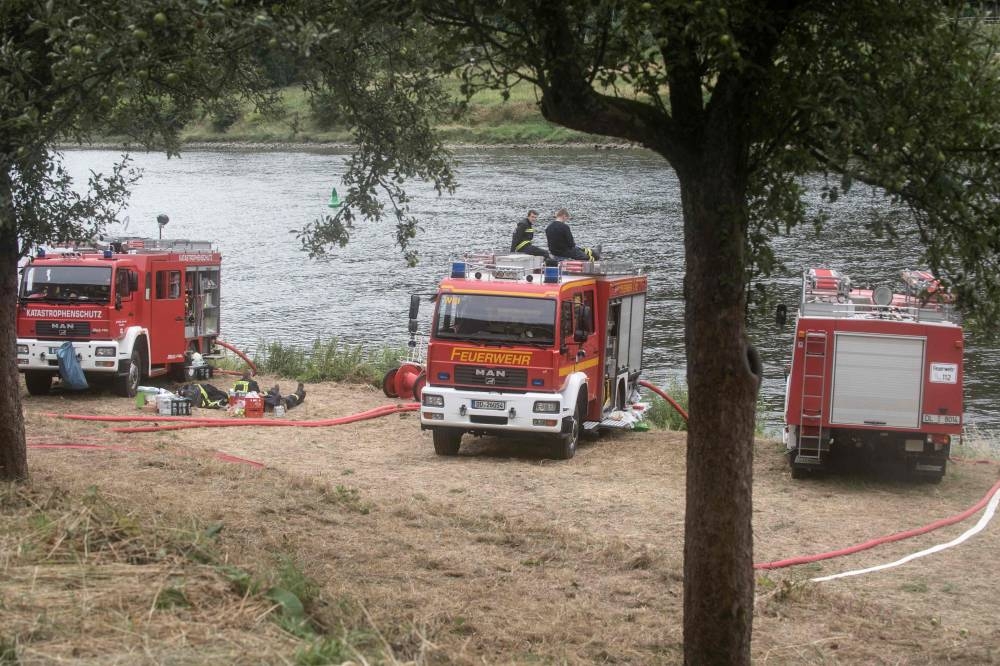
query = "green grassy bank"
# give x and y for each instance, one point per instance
(490, 120)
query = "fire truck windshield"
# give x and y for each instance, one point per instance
(66, 283)
(505, 319)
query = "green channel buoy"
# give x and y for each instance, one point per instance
(335, 201)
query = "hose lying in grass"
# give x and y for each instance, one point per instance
(972, 531)
(184, 422)
(899, 536)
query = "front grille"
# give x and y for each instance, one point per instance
(483, 376)
(62, 329)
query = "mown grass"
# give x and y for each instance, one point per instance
(56, 538)
(324, 360)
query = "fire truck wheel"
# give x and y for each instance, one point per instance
(446, 441)
(565, 447)
(128, 384)
(38, 383)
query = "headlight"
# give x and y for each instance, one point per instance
(547, 406)
(22, 349)
(431, 400)
(105, 351)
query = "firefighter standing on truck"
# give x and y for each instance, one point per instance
(524, 234)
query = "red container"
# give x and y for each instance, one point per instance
(253, 407)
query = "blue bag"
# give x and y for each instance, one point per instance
(69, 368)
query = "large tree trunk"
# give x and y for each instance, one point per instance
(13, 455)
(722, 383)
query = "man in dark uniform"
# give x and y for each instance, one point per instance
(561, 243)
(524, 234)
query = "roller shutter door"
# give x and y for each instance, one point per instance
(877, 380)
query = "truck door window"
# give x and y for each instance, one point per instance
(168, 284)
(588, 302)
(566, 321)
(121, 286)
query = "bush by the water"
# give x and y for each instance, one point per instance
(325, 360)
(662, 415)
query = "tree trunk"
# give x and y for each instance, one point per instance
(13, 455)
(722, 384)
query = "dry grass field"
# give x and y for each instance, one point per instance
(161, 553)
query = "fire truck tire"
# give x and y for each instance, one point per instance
(418, 386)
(389, 384)
(565, 447)
(446, 441)
(127, 385)
(38, 383)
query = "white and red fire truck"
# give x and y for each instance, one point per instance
(140, 308)
(518, 348)
(875, 375)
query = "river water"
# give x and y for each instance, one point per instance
(250, 202)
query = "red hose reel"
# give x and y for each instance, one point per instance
(405, 381)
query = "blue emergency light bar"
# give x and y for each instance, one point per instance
(551, 274)
(458, 269)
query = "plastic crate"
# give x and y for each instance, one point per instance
(199, 372)
(180, 407)
(253, 407)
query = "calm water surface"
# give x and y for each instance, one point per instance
(249, 203)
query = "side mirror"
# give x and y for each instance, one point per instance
(413, 326)
(118, 301)
(133, 281)
(580, 335)
(414, 306)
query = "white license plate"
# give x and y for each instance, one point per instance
(489, 404)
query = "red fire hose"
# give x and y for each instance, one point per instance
(663, 394)
(253, 368)
(899, 536)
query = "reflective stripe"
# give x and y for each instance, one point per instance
(522, 244)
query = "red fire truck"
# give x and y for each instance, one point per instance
(518, 348)
(139, 308)
(875, 375)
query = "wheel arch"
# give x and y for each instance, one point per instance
(136, 338)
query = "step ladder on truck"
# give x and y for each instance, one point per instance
(521, 349)
(876, 375)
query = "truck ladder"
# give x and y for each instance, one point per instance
(813, 398)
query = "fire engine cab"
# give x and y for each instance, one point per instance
(139, 308)
(519, 348)
(875, 374)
